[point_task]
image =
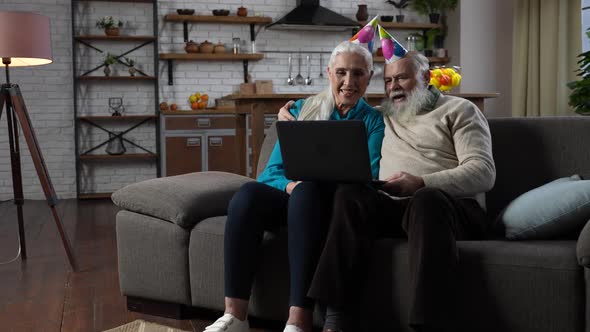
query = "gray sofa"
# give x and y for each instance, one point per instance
(170, 245)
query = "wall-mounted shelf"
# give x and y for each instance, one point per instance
(218, 19)
(408, 25)
(116, 78)
(380, 59)
(245, 57)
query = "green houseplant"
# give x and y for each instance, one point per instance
(110, 25)
(580, 96)
(399, 5)
(433, 8)
(109, 60)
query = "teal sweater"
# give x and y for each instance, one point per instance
(274, 173)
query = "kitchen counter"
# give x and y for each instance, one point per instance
(259, 104)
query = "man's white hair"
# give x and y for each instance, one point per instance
(321, 106)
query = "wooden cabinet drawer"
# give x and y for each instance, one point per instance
(184, 155)
(200, 122)
(269, 119)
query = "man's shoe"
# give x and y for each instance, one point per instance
(228, 323)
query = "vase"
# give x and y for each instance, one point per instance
(107, 70)
(362, 13)
(132, 70)
(115, 145)
(112, 31)
(399, 18)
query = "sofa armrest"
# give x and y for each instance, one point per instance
(583, 246)
(183, 199)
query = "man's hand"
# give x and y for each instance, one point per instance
(403, 184)
(284, 114)
(291, 186)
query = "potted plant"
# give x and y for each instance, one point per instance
(580, 97)
(108, 60)
(433, 8)
(110, 25)
(401, 4)
(131, 65)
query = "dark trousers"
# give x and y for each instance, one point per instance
(257, 207)
(432, 221)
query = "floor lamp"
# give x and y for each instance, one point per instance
(25, 40)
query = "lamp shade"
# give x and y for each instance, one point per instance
(25, 38)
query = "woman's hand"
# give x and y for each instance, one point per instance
(284, 114)
(291, 186)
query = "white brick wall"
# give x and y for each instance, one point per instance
(48, 90)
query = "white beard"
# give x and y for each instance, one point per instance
(406, 111)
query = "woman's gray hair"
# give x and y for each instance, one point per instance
(419, 64)
(321, 106)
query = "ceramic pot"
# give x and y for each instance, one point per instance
(242, 11)
(107, 70)
(362, 13)
(206, 47)
(132, 71)
(434, 17)
(399, 18)
(191, 47)
(219, 48)
(112, 31)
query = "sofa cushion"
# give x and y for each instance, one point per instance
(554, 209)
(183, 199)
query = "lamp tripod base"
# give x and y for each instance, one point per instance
(16, 112)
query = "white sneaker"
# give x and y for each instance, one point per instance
(292, 328)
(228, 323)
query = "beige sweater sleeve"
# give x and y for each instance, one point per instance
(476, 172)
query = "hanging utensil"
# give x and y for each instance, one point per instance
(321, 66)
(290, 80)
(299, 80)
(308, 79)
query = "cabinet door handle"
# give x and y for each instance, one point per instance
(215, 141)
(203, 123)
(193, 141)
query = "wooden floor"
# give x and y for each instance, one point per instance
(43, 294)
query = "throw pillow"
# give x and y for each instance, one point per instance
(554, 209)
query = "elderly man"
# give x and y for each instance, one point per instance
(437, 163)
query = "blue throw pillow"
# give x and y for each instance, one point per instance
(554, 209)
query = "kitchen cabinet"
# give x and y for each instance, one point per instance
(193, 19)
(197, 141)
(91, 85)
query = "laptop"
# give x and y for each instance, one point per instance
(327, 151)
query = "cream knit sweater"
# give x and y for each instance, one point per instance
(449, 147)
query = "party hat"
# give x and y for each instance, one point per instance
(392, 49)
(366, 34)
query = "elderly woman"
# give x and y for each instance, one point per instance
(304, 207)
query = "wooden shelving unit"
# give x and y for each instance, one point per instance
(93, 151)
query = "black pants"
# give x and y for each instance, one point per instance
(432, 222)
(257, 207)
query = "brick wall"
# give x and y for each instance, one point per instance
(48, 90)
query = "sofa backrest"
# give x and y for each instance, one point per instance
(528, 152)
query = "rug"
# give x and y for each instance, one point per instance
(143, 326)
